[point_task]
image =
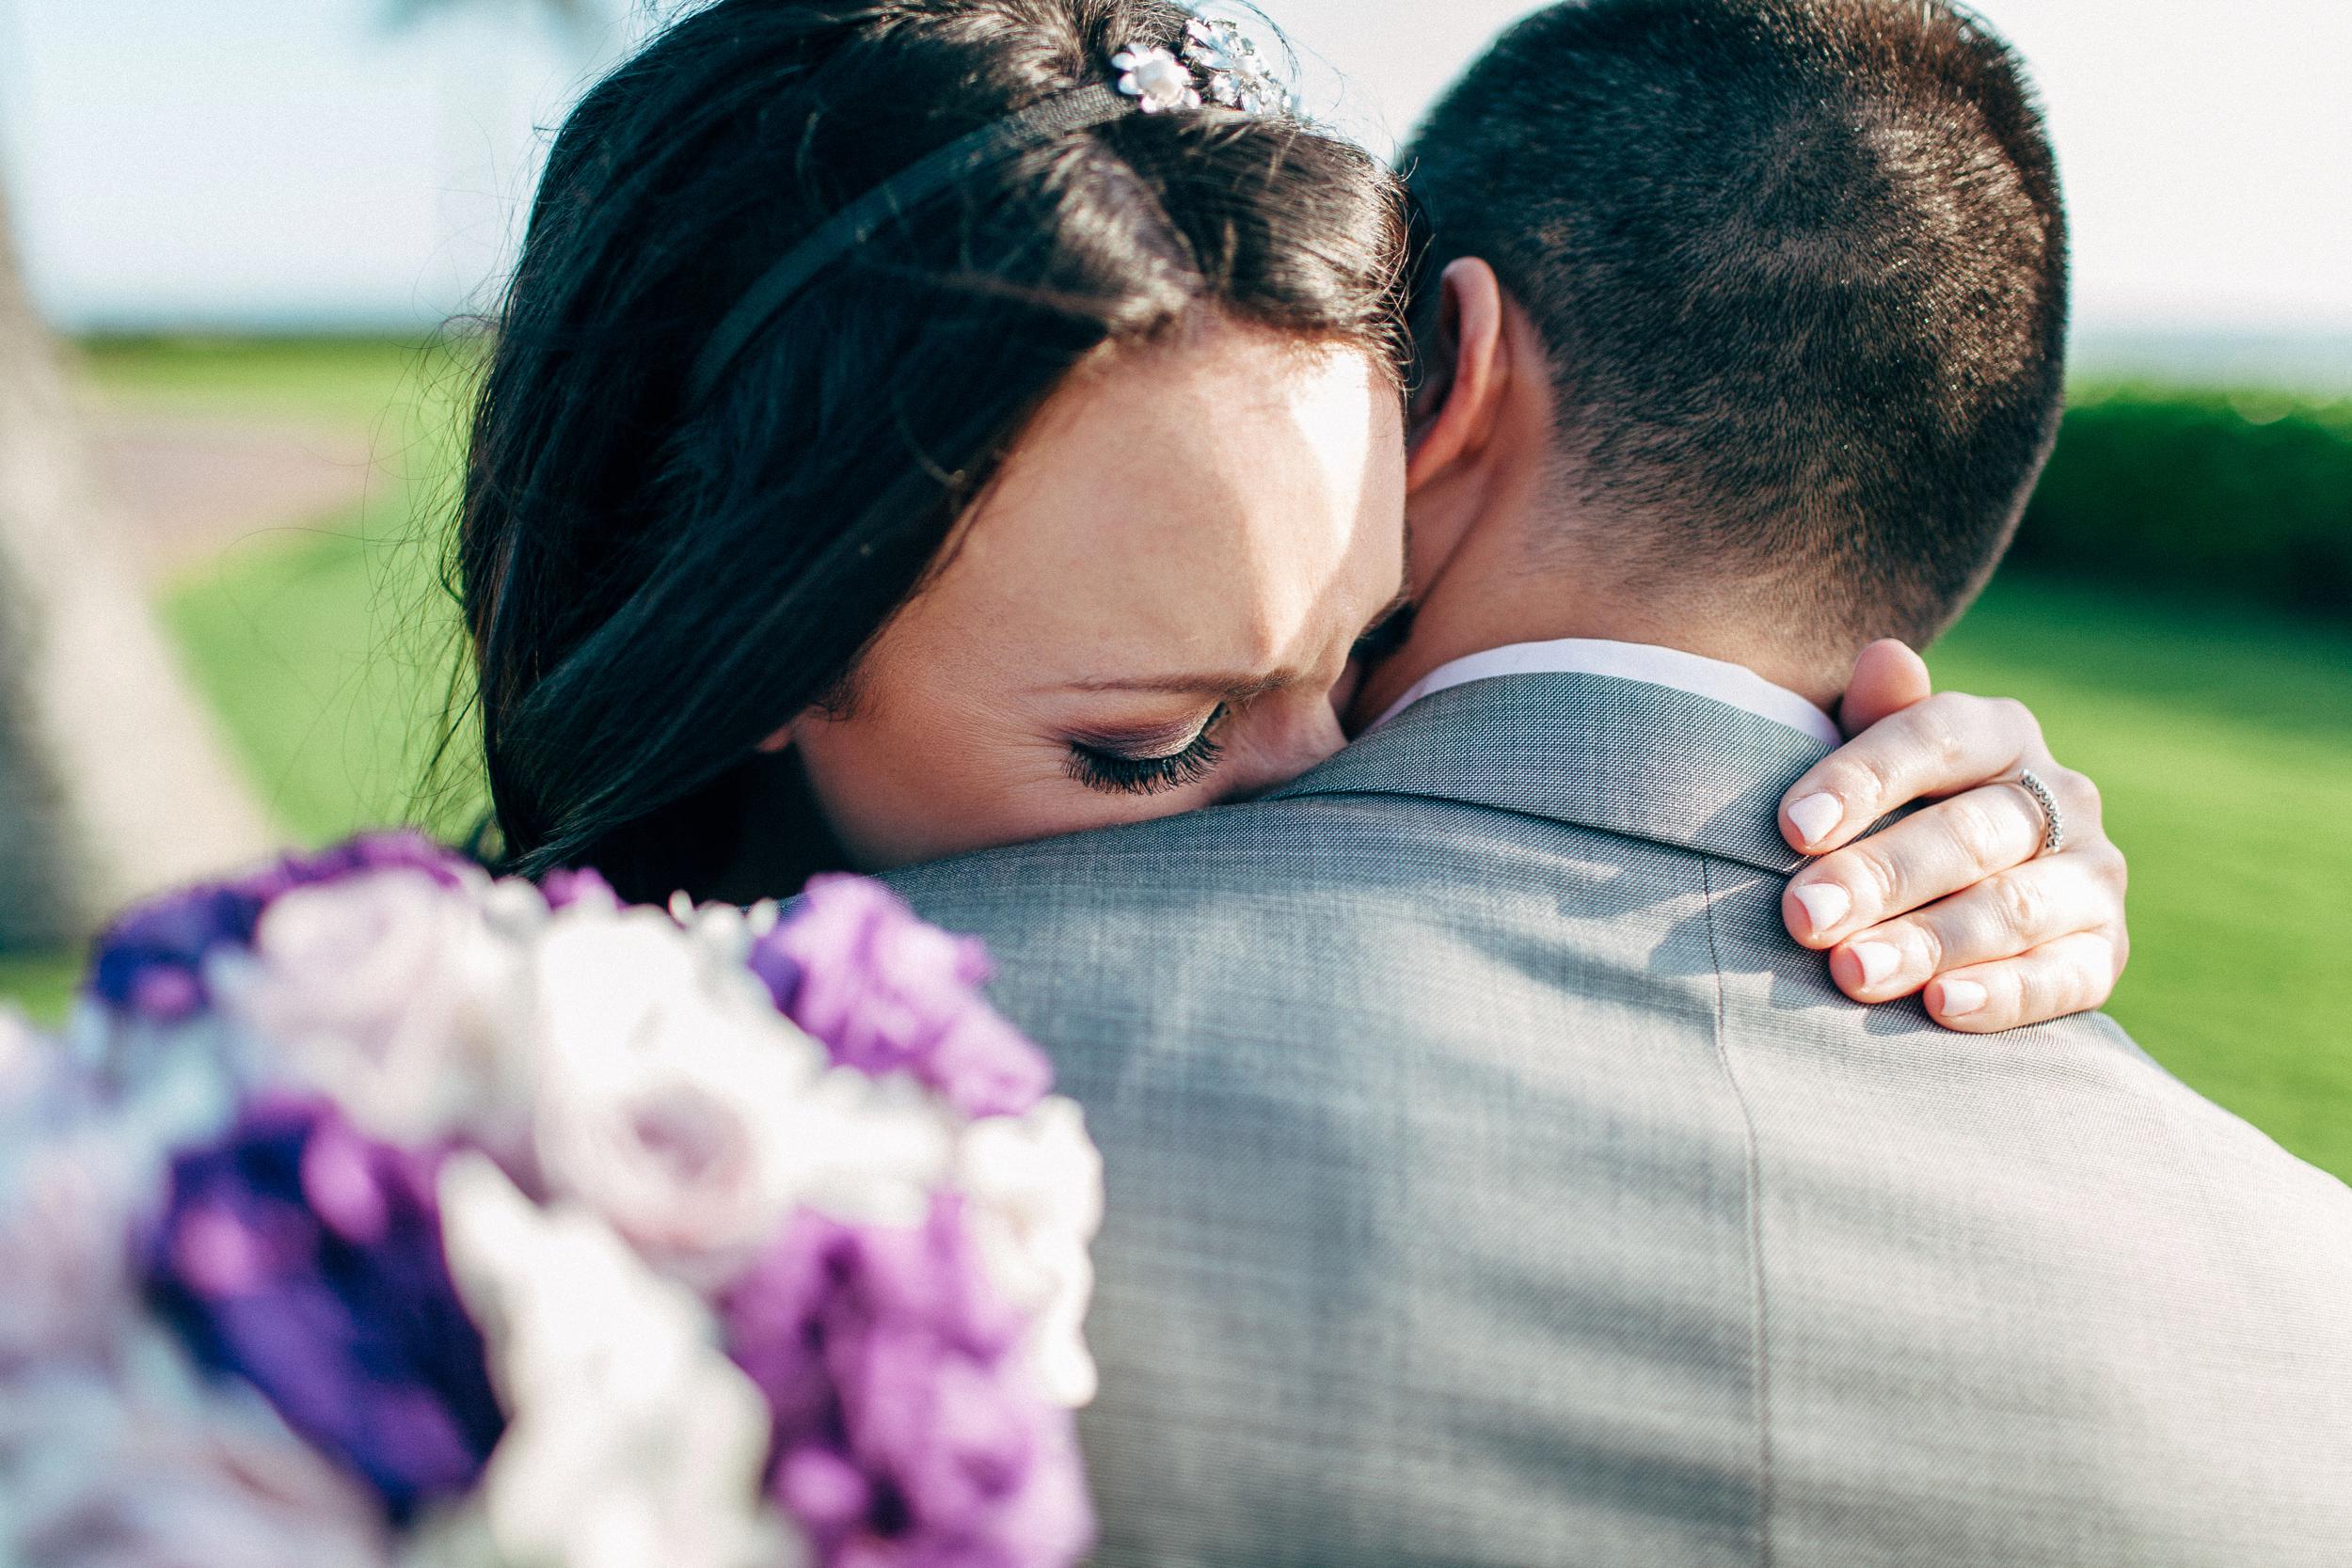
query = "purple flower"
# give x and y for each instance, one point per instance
(885, 992)
(307, 1260)
(401, 850)
(150, 962)
(562, 888)
(909, 1433)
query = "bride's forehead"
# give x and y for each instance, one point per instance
(1235, 501)
(1228, 452)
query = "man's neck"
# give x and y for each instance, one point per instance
(1502, 555)
(1476, 606)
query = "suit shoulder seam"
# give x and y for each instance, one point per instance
(1761, 1318)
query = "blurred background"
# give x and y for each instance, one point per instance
(247, 236)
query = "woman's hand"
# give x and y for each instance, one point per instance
(1956, 900)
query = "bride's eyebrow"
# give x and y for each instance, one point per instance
(1232, 687)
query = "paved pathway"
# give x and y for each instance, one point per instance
(189, 487)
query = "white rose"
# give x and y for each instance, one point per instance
(24, 1058)
(1035, 1184)
(515, 908)
(77, 1167)
(870, 1151)
(631, 1438)
(156, 1471)
(675, 1101)
(390, 992)
(65, 1206)
(174, 1084)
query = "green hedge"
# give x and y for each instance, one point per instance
(2238, 493)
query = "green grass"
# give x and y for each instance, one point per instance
(326, 651)
(368, 383)
(2222, 743)
(328, 661)
(43, 988)
(2222, 738)
(327, 654)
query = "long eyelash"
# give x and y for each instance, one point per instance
(1114, 774)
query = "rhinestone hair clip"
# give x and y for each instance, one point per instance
(1218, 66)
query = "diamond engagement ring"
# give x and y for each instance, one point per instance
(2053, 832)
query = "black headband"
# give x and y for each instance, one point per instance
(1079, 109)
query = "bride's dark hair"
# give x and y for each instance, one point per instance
(655, 582)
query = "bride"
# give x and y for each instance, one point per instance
(1060, 485)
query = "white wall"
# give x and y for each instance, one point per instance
(282, 162)
(297, 160)
(2206, 144)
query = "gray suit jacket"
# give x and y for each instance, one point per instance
(1493, 1181)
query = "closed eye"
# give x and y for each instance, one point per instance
(1118, 773)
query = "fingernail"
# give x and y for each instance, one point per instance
(1879, 961)
(1817, 816)
(1825, 904)
(1963, 997)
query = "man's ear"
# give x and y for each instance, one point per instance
(1453, 413)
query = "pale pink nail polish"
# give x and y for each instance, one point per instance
(1817, 816)
(1963, 997)
(1879, 961)
(1824, 903)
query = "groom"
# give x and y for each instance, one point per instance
(1490, 1184)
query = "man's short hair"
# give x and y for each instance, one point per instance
(1801, 268)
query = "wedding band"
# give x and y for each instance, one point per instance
(2054, 832)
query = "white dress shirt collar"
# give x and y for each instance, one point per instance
(1732, 684)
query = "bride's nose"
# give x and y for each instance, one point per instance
(1283, 739)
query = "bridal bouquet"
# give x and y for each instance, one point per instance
(374, 1212)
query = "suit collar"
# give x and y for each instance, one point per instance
(1594, 751)
(1646, 662)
